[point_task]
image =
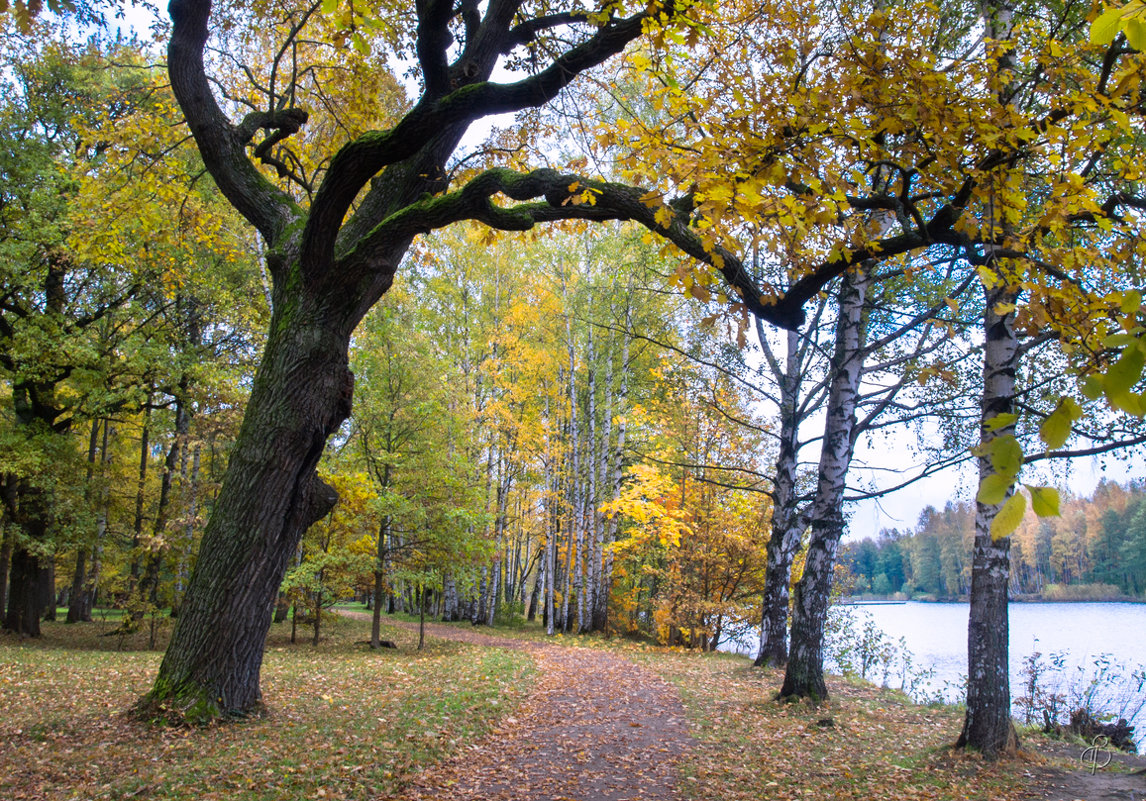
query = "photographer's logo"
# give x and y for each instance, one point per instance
(1097, 755)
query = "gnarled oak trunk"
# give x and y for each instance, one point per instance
(270, 495)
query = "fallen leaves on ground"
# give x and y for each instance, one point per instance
(865, 744)
(596, 727)
(343, 722)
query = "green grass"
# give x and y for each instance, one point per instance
(343, 722)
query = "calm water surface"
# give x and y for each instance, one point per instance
(936, 636)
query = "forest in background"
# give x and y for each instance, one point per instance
(1094, 551)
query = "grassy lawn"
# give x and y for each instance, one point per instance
(343, 721)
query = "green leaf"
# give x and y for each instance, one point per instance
(329, 6)
(1124, 373)
(1129, 402)
(993, 489)
(1009, 517)
(1001, 421)
(1006, 455)
(1091, 387)
(1131, 301)
(1119, 340)
(1055, 429)
(1105, 28)
(1135, 32)
(1044, 501)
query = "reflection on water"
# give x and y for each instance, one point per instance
(936, 636)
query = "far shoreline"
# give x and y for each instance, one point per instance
(1025, 599)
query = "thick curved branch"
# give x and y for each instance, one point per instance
(564, 197)
(433, 40)
(357, 162)
(220, 143)
(526, 32)
(551, 196)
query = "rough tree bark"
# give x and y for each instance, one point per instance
(787, 522)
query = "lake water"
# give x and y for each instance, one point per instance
(936, 636)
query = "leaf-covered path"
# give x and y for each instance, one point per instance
(596, 727)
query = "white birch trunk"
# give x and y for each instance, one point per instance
(804, 676)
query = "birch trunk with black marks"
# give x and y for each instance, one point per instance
(987, 725)
(804, 676)
(787, 522)
(592, 570)
(601, 580)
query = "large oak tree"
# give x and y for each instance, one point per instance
(332, 256)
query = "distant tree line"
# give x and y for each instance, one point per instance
(1095, 550)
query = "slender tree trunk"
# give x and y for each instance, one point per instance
(550, 531)
(987, 726)
(787, 523)
(449, 599)
(592, 536)
(317, 623)
(804, 677)
(600, 489)
(136, 568)
(575, 527)
(78, 610)
(191, 512)
(7, 534)
(5, 566)
(47, 583)
(379, 593)
(618, 467)
(538, 585)
(421, 617)
(149, 587)
(381, 557)
(79, 607)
